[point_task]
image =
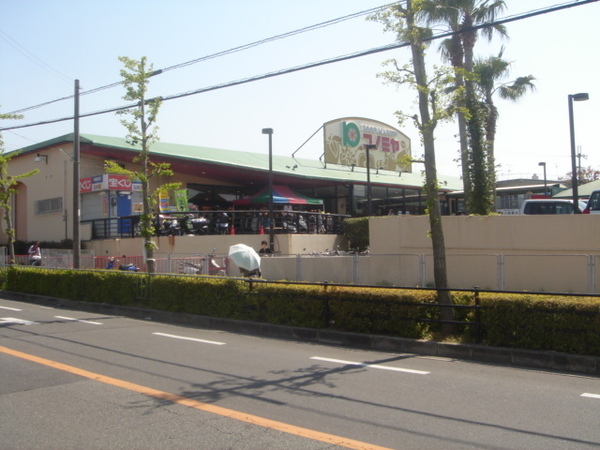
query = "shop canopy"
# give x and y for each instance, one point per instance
(281, 195)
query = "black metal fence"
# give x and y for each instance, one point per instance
(220, 222)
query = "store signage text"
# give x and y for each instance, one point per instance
(108, 182)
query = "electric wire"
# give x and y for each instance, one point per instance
(219, 54)
(18, 47)
(393, 46)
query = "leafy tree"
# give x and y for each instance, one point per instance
(584, 175)
(8, 185)
(142, 131)
(461, 16)
(488, 72)
(404, 21)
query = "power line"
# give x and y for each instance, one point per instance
(337, 59)
(219, 54)
(18, 47)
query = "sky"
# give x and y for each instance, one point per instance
(46, 45)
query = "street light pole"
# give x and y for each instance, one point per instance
(269, 131)
(545, 182)
(367, 148)
(574, 178)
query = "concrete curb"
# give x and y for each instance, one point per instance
(539, 360)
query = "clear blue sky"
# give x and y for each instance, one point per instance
(83, 39)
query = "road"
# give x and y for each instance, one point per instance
(72, 379)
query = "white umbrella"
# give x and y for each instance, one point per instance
(244, 257)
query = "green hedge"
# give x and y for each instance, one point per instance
(526, 321)
(538, 322)
(356, 232)
(117, 288)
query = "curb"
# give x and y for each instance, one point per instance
(539, 360)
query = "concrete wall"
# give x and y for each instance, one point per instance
(285, 244)
(494, 234)
(539, 253)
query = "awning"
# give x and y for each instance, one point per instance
(281, 195)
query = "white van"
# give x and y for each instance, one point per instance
(549, 206)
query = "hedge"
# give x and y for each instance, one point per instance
(528, 321)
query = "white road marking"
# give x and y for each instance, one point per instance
(16, 321)
(10, 309)
(78, 320)
(591, 396)
(374, 366)
(189, 339)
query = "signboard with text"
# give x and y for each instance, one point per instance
(345, 141)
(108, 182)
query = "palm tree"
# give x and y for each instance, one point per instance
(488, 72)
(461, 16)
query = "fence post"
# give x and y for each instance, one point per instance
(355, 269)
(501, 272)
(298, 267)
(477, 314)
(423, 269)
(592, 274)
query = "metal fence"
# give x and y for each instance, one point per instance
(575, 273)
(220, 222)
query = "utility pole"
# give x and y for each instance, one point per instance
(76, 209)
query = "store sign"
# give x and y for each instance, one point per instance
(108, 182)
(345, 141)
(119, 183)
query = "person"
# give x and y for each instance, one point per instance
(35, 254)
(265, 250)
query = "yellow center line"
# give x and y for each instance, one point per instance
(174, 398)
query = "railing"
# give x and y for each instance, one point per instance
(220, 222)
(514, 273)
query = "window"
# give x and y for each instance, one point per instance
(49, 205)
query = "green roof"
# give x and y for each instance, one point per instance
(287, 165)
(584, 190)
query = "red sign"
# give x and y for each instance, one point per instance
(119, 183)
(85, 185)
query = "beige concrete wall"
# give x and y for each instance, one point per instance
(513, 253)
(285, 244)
(547, 253)
(493, 234)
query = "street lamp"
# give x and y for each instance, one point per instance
(367, 148)
(545, 179)
(269, 131)
(574, 178)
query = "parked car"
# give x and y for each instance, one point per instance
(549, 206)
(593, 204)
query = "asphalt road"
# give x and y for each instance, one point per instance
(72, 379)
